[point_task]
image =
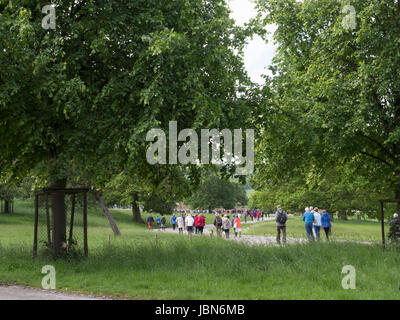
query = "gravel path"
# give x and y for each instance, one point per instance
(14, 292)
(257, 239)
(247, 239)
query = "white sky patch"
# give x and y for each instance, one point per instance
(257, 54)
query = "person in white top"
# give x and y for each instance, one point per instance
(317, 223)
(189, 222)
(181, 223)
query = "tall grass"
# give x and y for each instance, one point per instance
(137, 266)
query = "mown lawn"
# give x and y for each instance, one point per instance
(135, 266)
(347, 230)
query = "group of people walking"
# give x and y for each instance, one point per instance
(313, 220)
(223, 224)
(196, 223)
(251, 214)
(191, 224)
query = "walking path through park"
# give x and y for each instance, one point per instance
(258, 239)
(247, 239)
(14, 292)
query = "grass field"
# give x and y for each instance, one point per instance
(135, 266)
(344, 230)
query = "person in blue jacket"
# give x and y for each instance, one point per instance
(233, 222)
(173, 221)
(308, 218)
(158, 220)
(326, 223)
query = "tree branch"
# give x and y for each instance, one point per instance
(379, 144)
(376, 158)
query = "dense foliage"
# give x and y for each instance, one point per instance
(216, 192)
(334, 98)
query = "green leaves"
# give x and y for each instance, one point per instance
(78, 101)
(336, 92)
(216, 192)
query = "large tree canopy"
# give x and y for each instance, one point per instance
(112, 69)
(335, 94)
(79, 99)
(337, 190)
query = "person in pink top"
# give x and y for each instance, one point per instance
(237, 224)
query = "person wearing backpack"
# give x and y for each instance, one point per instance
(280, 218)
(218, 224)
(163, 222)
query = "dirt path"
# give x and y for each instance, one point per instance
(247, 239)
(257, 239)
(14, 292)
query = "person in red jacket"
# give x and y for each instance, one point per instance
(201, 223)
(237, 224)
(196, 224)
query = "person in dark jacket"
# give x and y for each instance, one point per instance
(326, 223)
(280, 218)
(163, 222)
(218, 223)
(394, 229)
(150, 221)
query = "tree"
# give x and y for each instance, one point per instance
(160, 189)
(109, 72)
(337, 190)
(215, 192)
(7, 195)
(334, 98)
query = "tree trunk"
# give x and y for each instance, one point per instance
(59, 223)
(136, 217)
(99, 197)
(6, 206)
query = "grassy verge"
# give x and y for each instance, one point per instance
(135, 266)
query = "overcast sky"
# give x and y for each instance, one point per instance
(258, 54)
